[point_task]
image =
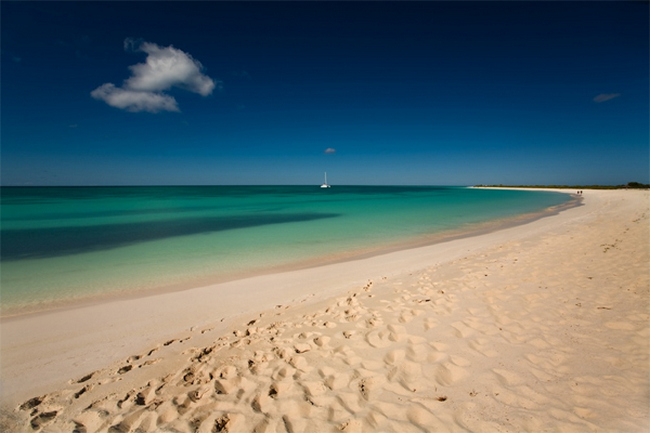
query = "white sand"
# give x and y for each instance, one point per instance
(539, 327)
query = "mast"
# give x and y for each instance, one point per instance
(325, 185)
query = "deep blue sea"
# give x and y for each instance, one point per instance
(65, 245)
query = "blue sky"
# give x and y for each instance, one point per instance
(420, 93)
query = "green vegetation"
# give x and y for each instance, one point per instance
(630, 185)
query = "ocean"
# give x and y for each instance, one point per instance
(66, 245)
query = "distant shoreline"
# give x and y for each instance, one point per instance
(631, 185)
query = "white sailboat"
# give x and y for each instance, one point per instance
(325, 185)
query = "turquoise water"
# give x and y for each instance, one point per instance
(65, 245)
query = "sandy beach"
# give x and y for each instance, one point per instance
(538, 327)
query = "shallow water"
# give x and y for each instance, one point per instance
(65, 245)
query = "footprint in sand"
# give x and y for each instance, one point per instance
(482, 346)
(448, 373)
(419, 352)
(338, 381)
(430, 323)
(125, 369)
(350, 401)
(408, 374)
(379, 338)
(43, 419)
(424, 419)
(86, 377)
(371, 387)
(89, 421)
(462, 330)
(395, 357)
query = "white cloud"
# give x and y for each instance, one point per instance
(164, 68)
(606, 97)
(134, 100)
(167, 67)
(330, 150)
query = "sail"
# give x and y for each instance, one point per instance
(325, 185)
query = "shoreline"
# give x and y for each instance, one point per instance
(471, 230)
(43, 353)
